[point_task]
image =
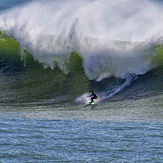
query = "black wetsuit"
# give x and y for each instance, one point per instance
(94, 96)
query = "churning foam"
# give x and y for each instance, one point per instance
(51, 30)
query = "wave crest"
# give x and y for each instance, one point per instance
(92, 30)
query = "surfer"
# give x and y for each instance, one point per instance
(94, 96)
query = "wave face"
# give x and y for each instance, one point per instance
(78, 41)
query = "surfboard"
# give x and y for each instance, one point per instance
(89, 104)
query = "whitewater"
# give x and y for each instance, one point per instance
(112, 38)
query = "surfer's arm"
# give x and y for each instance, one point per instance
(89, 95)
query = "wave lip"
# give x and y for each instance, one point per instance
(114, 41)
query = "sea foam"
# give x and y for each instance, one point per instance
(112, 37)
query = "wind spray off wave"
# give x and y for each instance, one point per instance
(112, 38)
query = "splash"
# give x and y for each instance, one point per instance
(106, 94)
(112, 38)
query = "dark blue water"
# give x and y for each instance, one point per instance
(6, 4)
(42, 140)
(85, 135)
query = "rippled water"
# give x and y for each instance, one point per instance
(81, 135)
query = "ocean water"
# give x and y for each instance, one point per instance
(52, 52)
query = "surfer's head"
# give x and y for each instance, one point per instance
(90, 90)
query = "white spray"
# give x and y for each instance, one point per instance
(112, 37)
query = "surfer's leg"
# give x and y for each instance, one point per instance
(92, 99)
